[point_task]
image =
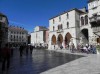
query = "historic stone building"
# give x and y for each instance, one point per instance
(94, 21)
(76, 26)
(39, 36)
(17, 36)
(3, 29)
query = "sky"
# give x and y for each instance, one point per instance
(31, 13)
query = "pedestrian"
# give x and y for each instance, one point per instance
(21, 50)
(12, 50)
(54, 46)
(6, 54)
(27, 47)
(31, 49)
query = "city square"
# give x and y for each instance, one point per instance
(65, 39)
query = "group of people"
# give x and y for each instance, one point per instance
(7, 52)
(26, 48)
(87, 48)
(82, 48)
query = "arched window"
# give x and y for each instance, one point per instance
(58, 27)
(53, 28)
(59, 18)
(53, 21)
(67, 15)
(67, 24)
(86, 20)
(82, 21)
(61, 26)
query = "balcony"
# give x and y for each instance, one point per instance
(95, 21)
(60, 30)
(98, 19)
(96, 29)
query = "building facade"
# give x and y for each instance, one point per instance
(76, 26)
(3, 29)
(17, 36)
(94, 21)
(39, 36)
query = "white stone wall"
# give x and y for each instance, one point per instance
(93, 8)
(36, 28)
(73, 15)
(21, 36)
(37, 37)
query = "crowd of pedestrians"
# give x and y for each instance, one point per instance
(26, 48)
(87, 48)
(83, 48)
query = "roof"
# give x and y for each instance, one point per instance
(18, 29)
(67, 12)
(43, 28)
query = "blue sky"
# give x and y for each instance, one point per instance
(30, 13)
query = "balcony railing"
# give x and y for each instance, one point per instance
(98, 19)
(95, 19)
(96, 29)
(60, 30)
(92, 19)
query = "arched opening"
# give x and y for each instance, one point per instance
(86, 20)
(84, 36)
(67, 38)
(82, 21)
(85, 33)
(98, 40)
(53, 40)
(60, 39)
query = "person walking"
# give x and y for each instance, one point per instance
(6, 54)
(21, 50)
(31, 49)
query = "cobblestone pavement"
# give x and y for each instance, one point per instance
(84, 65)
(39, 61)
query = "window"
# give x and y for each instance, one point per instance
(61, 26)
(86, 19)
(53, 28)
(67, 24)
(11, 36)
(67, 15)
(59, 18)
(53, 21)
(82, 21)
(58, 27)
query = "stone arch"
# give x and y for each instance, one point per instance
(85, 32)
(53, 40)
(82, 21)
(60, 39)
(98, 40)
(68, 36)
(86, 19)
(84, 36)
